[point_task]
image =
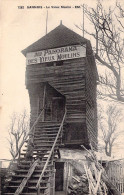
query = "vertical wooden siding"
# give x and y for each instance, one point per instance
(115, 171)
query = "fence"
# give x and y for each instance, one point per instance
(115, 171)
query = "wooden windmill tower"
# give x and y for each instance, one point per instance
(61, 80)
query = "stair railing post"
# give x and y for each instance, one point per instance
(44, 96)
(54, 172)
(61, 135)
(49, 185)
(52, 180)
(38, 190)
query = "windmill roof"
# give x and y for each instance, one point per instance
(58, 37)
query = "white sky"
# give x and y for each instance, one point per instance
(20, 28)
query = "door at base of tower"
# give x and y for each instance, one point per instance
(59, 176)
(54, 104)
(58, 108)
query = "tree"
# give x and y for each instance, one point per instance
(108, 32)
(18, 129)
(109, 126)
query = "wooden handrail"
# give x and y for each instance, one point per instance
(24, 181)
(50, 154)
(36, 121)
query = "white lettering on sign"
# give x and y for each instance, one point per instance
(57, 54)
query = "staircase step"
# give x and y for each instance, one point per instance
(37, 176)
(38, 166)
(35, 153)
(24, 176)
(26, 193)
(25, 162)
(41, 150)
(29, 187)
(41, 128)
(36, 171)
(43, 137)
(39, 169)
(32, 181)
(22, 159)
(46, 139)
(40, 153)
(35, 181)
(48, 124)
(42, 133)
(46, 131)
(44, 154)
(34, 188)
(44, 145)
(45, 134)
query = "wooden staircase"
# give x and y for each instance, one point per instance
(36, 175)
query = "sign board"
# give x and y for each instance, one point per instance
(56, 54)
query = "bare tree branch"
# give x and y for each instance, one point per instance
(18, 129)
(109, 51)
(109, 126)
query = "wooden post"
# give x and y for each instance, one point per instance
(38, 191)
(0, 178)
(48, 191)
(44, 96)
(52, 183)
(61, 135)
(83, 20)
(67, 183)
(46, 21)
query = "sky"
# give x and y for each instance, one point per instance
(19, 29)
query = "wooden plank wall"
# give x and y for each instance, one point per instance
(68, 79)
(91, 107)
(74, 80)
